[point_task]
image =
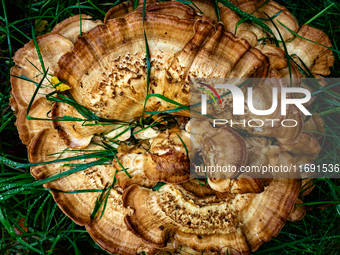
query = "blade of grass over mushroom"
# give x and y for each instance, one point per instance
(80, 20)
(105, 155)
(86, 113)
(76, 191)
(38, 50)
(108, 193)
(250, 17)
(37, 68)
(272, 17)
(152, 125)
(245, 18)
(335, 50)
(305, 70)
(148, 64)
(182, 107)
(158, 186)
(217, 10)
(99, 201)
(69, 172)
(285, 49)
(102, 198)
(306, 186)
(263, 4)
(66, 118)
(197, 178)
(22, 77)
(27, 183)
(121, 133)
(188, 2)
(124, 169)
(185, 147)
(197, 8)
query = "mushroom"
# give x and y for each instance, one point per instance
(298, 211)
(29, 128)
(28, 72)
(316, 57)
(16, 108)
(70, 28)
(100, 104)
(132, 159)
(239, 225)
(315, 126)
(262, 153)
(109, 231)
(306, 144)
(166, 160)
(121, 133)
(122, 9)
(249, 30)
(106, 71)
(174, 8)
(203, 194)
(269, 9)
(284, 134)
(183, 60)
(147, 133)
(81, 134)
(262, 99)
(276, 56)
(223, 147)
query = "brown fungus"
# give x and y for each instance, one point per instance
(241, 223)
(105, 69)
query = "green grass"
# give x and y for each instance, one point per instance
(51, 232)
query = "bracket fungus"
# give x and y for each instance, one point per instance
(108, 231)
(103, 132)
(240, 224)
